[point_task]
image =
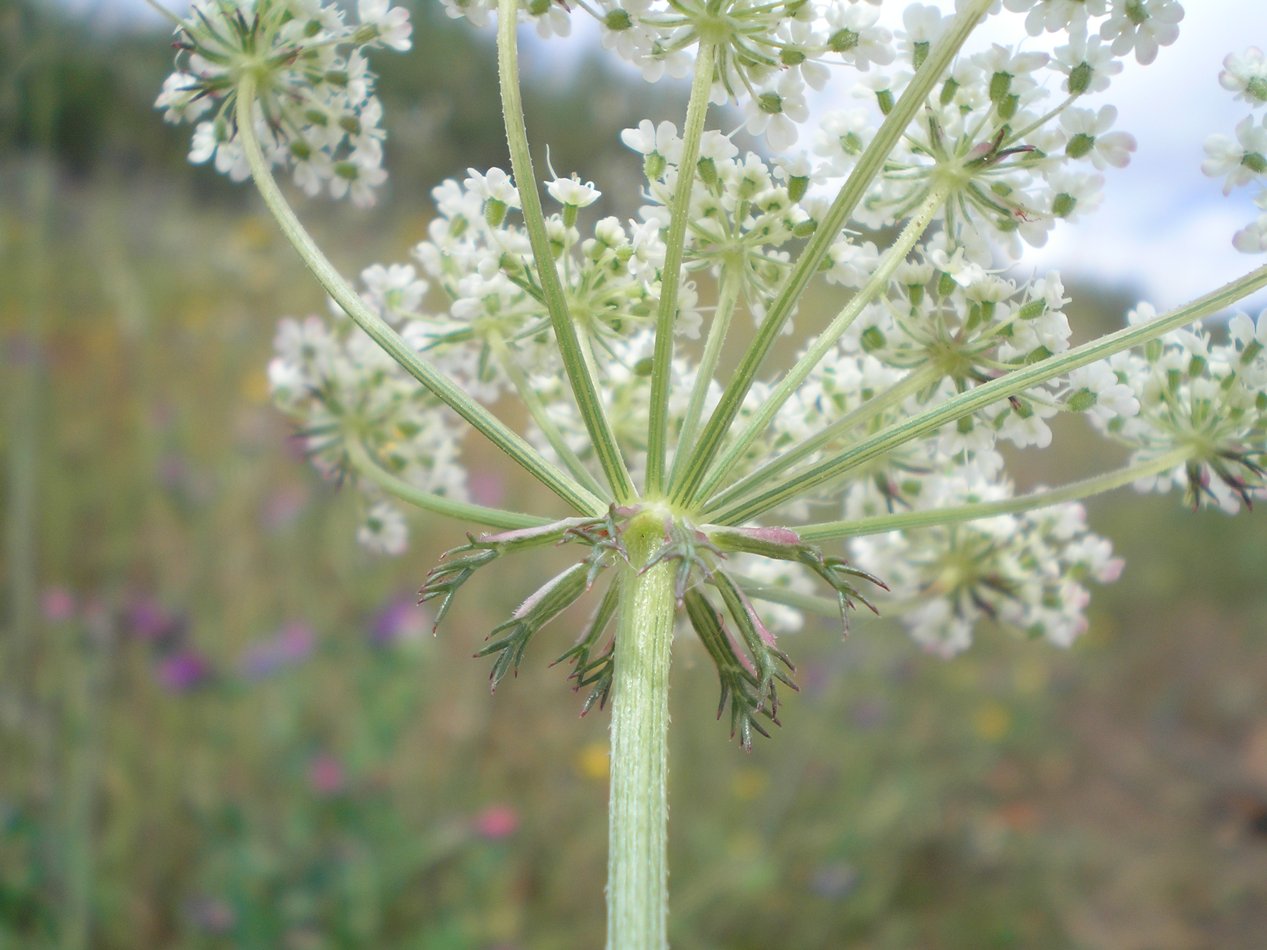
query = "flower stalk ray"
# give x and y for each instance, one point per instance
(966, 403)
(574, 362)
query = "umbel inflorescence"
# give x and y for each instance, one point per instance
(874, 467)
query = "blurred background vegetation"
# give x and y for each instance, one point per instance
(222, 724)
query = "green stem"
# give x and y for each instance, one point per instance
(850, 421)
(360, 460)
(876, 285)
(445, 389)
(671, 275)
(869, 165)
(976, 399)
(1074, 491)
(637, 860)
(582, 382)
(536, 408)
(728, 297)
(1037, 123)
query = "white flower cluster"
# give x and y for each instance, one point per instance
(1205, 397)
(494, 321)
(929, 338)
(770, 55)
(1026, 571)
(944, 328)
(1015, 163)
(346, 394)
(742, 215)
(317, 114)
(1126, 26)
(1242, 160)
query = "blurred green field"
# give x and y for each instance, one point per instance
(222, 724)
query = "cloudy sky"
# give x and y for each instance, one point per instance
(1164, 227)
(1162, 221)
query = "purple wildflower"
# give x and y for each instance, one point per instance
(184, 670)
(290, 646)
(148, 620)
(58, 604)
(400, 621)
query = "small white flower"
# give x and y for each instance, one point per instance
(842, 136)
(1074, 193)
(854, 35)
(716, 146)
(1252, 239)
(1026, 430)
(180, 100)
(1096, 388)
(1052, 16)
(572, 192)
(358, 177)
(1249, 338)
(923, 24)
(775, 110)
(204, 144)
(649, 139)
(392, 23)
(1088, 63)
(1089, 137)
(1143, 26)
(1246, 75)
(852, 262)
(477, 11)
(312, 171)
(553, 21)
(1240, 160)
(384, 530)
(963, 272)
(395, 291)
(493, 185)
(936, 627)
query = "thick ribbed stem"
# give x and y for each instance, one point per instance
(637, 860)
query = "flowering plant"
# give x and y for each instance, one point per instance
(694, 488)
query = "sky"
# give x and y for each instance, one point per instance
(1164, 228)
